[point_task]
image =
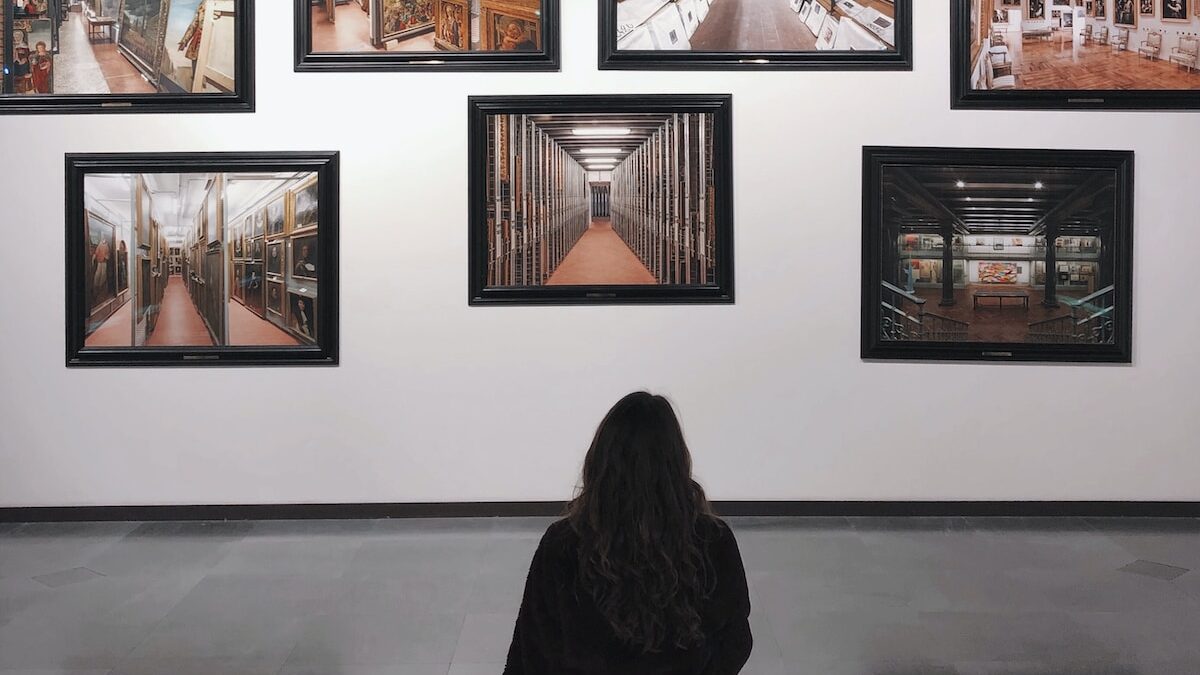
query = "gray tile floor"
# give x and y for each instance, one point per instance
(437, 597)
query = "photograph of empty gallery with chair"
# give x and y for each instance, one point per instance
(1079, 45)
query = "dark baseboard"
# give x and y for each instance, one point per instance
(875, 509)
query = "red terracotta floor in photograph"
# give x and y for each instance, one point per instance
(600, 257)
(121, 75)
(115, 331)
(179, 323)
(247, 328)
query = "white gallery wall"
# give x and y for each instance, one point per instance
(437, 401)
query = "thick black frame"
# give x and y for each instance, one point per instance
(549, 59)
(877, 157)
(240, 101)
(325, 164)
(610, 58)
(963, 97)
(480, 107)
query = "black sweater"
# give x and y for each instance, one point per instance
(558, 633)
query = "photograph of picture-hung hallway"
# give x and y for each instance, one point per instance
(343, 26)
(598, 199)
(119, 47)
(1012, 249)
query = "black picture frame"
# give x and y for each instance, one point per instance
(611, 58)
(719, 106)
(548, 59)
(324, 164)
(873, 344)
(242, 100)
(963, 97)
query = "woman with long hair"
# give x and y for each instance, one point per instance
(640, 577)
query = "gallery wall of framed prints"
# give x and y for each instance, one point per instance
(127, 56)
(446, 35)
(608, 198)
(237, 251)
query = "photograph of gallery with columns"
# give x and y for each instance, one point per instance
(992, 250)
(119, 47)
(600, 199)
(1088, 45)
(756, 26)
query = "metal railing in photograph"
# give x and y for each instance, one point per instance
(1090, 321)
(898, 323)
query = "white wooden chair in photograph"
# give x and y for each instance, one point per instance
(1087, 35)
(1102, 38)
(999, 76)
(1187, 53)
(1120, 41)
(1151, 46)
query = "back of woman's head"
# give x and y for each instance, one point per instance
(640, 518)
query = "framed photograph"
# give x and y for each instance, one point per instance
(645, 206)
(723, 35)
(1021, 66)
(997, 311)
(305, 261)
(216, 309)
(448, 35)
(158, 56)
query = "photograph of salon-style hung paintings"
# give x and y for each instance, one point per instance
(427, 34)
(755, 34)
(172, 265)
(1116, 54)
(127, 55)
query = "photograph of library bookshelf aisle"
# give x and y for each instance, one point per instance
(114, 47)
(756, 25)
(1065, 47)
(200, 259)
(966, 251)
(583, 199)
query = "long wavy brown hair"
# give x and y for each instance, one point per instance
(641, 520)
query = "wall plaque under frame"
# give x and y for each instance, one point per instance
(226, 298)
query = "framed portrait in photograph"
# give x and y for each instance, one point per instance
(276, 222)
(258, 222)
(304, 207)
(302, 310)
(1146, 8)
(1037, 77)
(198, 282)
(275, 258)
(1035, 10)
(609, 153)
(452, 25)
(449, 35)
(1005, 308)
(161, 56)
(804, 35)
(1174, 10)
(304, 258)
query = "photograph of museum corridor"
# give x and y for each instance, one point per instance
(601, 199)
(756, 25)
(200, 259)
(1112, 45)
(999, 254)
(348, 26)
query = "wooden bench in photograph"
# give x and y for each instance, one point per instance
(1000, 296)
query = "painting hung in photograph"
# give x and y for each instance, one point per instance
(1146, 8)
(304, 258)
(157, 55)
(1035, 254)
(605, 161)
(1035, 10)
(847, 34)
(305, 207)
(194, 290)
(1175, 10)
(275, 218)
(302, 311)
(1107, 65)
(428, 35)
(453, 26)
